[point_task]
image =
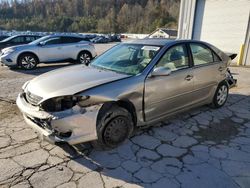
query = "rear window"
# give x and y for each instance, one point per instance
(201, 54)
(30, 38)
(216, 57)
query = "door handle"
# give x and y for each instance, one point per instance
(189, 77)
(59, 48)
(220, 69)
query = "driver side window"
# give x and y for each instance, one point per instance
(53, 41)
(18, 40)
(175, 58)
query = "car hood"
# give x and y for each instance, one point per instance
(22, 46)
(70, 80)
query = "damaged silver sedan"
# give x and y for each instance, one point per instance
(131, 85)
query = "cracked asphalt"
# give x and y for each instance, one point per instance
(201, 148)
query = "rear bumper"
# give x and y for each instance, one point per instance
(72, 126)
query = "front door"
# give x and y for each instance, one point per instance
(51, 50)
(167, 94)
(17, 41)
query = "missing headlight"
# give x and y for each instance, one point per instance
(61, 103)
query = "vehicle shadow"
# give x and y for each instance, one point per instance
(127, 163)
(42, 68)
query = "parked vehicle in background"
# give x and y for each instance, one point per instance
(131, 85)
(115, 38)
(100, 39)
(52, 48)
(106, 38)
(17, 40)
(89, 37)
(2, 37)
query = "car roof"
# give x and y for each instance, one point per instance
(19, 35)
(25, 35)
(63, 35)
(161, 41)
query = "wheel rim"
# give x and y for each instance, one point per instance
(222, 95)
(84, 58)
(116, 131)
(28, 62)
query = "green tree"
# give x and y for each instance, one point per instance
(137, 16)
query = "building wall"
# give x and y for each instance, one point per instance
(186, 19)
(219, 22)
(246, 55)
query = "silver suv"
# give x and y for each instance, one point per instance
(52, 48)
(131, 85)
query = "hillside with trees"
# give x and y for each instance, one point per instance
(104, 16)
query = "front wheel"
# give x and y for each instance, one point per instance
(220, 96)
(113, 128)
(27, 61)
(84, 57)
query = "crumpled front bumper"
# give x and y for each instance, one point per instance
(79, 122)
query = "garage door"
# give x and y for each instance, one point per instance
(222, 23)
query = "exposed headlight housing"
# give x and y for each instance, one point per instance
(58, 104)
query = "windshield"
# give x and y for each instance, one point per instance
(126, 58)
(8, 38)
(40, 40)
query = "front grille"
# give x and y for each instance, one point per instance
(32, 99)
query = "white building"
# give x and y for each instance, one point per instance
(163, 33)
(223, 23)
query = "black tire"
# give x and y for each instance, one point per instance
(221, 95)
(114, 126)
(27, 61)
(84, 57)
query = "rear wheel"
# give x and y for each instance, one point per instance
(220, 96)
(84, 57)
(113, 128)
(27, 61)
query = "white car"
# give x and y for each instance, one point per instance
(52, 48)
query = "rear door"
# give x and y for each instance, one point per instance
(208, 71)
(167, 94)
(70, 45)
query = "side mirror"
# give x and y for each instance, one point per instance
(41, 43)
(161, 71)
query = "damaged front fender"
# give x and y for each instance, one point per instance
(75, 125)
(79, 122)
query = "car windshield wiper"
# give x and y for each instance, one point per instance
(98, 67)
(104, 68)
